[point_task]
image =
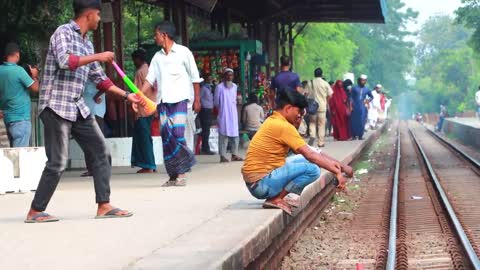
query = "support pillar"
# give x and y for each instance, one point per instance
(177, 14)
(119, 58)
(283, 39)
(290, 43)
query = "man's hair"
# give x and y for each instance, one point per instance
(290, 96)
(166, 27)
(79, 6)
(11, 49)
(284, 61)
(140, 54)
(318, 72)
(252, 98)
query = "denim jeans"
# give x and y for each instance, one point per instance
(294, 176)
(19, 133)
(440, 123)
(89, 137)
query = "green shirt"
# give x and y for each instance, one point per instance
(14, 93)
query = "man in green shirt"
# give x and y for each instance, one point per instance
(15, 87)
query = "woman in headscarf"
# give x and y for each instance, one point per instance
(339, 112)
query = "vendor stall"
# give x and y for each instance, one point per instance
(213, 57)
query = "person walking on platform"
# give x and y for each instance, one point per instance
(267, 171)
(359, 112)
(285, 79)
(443, 115)
(142, 143)
(15, 88)
(225, 99)
(477, 101)
(320, 91)
(339, 112)
(69, 64)
(176, 73)
(374, 107)
(206, 113)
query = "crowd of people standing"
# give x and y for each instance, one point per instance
(346, 108)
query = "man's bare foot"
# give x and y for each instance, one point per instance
(104, 208)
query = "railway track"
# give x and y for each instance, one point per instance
(434, 215)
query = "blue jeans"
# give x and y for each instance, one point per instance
(19, 133)
(294, 176)
(440, 123)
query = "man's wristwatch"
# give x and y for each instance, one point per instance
(125, 96)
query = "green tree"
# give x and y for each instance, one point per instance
(469, 15)
(326, 46)
(31, 23)
(384, 53)
(447, 67)
(378, 50)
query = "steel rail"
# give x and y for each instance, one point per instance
(470, 252)
(392, 238)
(469, 158)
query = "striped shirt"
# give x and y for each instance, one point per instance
(63, 80)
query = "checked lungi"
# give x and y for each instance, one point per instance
(176, 155)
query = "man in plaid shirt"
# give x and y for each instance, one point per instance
(70, 63)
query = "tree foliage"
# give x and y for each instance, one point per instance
(326, 46)
(469, 15)
(31, 23)
(378, 50)
(447, 67)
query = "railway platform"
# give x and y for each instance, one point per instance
(212, 223)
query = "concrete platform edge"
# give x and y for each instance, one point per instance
(270, 235)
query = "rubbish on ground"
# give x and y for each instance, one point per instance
(345, 215)
(416, 197)
(362, 171)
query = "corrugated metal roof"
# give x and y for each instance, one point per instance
(207, 5)
(371, 11)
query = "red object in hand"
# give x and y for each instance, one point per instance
(360, 266)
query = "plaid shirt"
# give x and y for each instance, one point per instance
(63, 84)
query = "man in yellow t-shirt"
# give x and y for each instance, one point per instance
(267, 171)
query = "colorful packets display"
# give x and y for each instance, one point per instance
(215, 62)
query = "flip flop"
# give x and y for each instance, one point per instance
(113, 214)
(236, 158)
(179, 182)
(35, 218)
(280, 204)
(293, 202)
(86, 174)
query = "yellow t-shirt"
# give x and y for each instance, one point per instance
(269, 147)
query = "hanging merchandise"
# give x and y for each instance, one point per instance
(215, 62)
(213, 57)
